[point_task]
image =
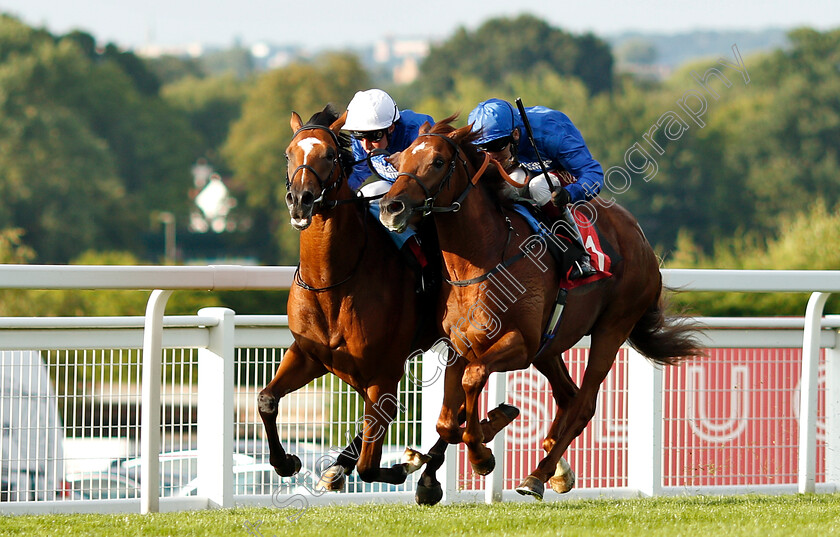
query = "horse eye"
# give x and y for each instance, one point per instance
(330, 153)
(438, 163)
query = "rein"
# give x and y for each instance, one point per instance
(298, 279)
(321, 182)
(428, 207)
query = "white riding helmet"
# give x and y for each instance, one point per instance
(371, 110)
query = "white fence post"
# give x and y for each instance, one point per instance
(495, 480)
(216, 409)
(150, 402)
(808, 393)
(644, 424)
(832, 413)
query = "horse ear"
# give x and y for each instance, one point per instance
(336, 126)
(394, 159)
(295, 122)
(425, 128)
(458, 134)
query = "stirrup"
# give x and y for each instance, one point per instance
(582, 269)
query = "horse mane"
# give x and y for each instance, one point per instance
(492, 180)
(325, 118)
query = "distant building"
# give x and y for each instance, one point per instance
(398, 58)
(401, 57)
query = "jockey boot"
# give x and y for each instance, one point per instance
(581, 266)
(427, 273)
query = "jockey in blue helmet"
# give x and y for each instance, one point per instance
(561, 148)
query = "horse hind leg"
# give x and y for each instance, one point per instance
(580, 411)
(294, 372)
(563, 390)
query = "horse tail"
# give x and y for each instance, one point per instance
(663, 339)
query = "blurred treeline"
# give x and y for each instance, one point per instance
(96, 143)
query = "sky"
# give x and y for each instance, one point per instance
(319, 24)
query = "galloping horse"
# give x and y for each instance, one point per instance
(353, 310)
(444, 175)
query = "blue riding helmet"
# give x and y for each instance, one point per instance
(495, 118)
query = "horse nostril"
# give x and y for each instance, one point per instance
(290, 199)
(395, 207)
(307, 199)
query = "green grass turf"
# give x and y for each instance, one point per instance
(719, 516)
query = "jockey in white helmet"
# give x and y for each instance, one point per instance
(376, 124)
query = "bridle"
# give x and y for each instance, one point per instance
(336, 162)
(428, 205)
(325, 189)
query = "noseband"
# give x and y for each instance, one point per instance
(306, 167)
(428, 205)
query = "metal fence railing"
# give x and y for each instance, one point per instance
(76, 435)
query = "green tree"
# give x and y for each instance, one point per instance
(802, 241)
(86, 154)
(637, 50)
(171, 69)
(212, 105)
(257, 142)
(521, 47)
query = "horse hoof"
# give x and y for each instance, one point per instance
(289, 466)
(531, 487)
(428, 495)
(485, 467)
(414, 460)
(332, 479)
(509, 412)
(563, 479)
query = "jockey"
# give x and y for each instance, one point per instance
(562, 149)
(376, 124)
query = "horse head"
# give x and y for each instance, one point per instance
(315, 157)
(431, 164)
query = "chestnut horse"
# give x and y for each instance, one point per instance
(444, 175)
(353, 310)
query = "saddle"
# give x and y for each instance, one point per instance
(600, 251)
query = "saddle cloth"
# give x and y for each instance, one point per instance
(601, 253)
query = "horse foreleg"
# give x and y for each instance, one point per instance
(452, 413)
(380, 409)
(294, 372)
(480, 456)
